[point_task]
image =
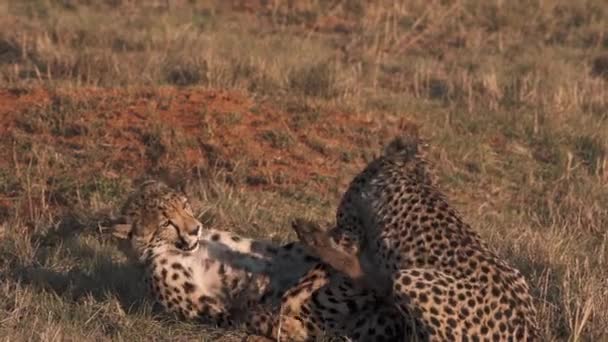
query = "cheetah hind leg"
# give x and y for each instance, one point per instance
(291, 322)
(266, 326)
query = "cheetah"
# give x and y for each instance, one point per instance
(196, 273)
(395, 233)
(224, 279)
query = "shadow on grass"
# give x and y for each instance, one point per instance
(74, 262)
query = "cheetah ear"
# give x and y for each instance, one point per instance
(182, 186)
(175, 181)
(121, 230)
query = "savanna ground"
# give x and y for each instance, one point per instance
(267, 109)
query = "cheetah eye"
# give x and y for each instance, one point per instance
(166, 223)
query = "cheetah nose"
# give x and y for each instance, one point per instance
(197, 230)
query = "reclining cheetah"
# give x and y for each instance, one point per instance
(224, 279)
(397, 234)
(201, 273)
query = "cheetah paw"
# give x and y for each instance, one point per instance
(310, 233)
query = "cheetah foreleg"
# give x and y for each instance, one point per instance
(321, 244)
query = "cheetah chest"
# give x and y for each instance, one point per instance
(196, 285)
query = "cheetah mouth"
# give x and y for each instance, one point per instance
(187, 248)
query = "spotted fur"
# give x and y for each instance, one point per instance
(396, 234)
(203, 274)
(278, 292)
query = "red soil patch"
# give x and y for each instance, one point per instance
(14, 101)
(194, 129)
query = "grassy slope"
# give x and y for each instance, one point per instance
(511, 94)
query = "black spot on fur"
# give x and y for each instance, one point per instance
(352, 305)
(189, 287)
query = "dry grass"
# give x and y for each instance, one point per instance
(511, 94)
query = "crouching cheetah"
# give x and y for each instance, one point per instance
(397, 234)
(225, 279)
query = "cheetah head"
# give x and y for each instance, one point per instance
(154, 215)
